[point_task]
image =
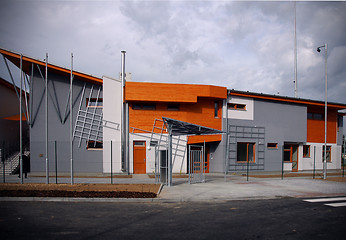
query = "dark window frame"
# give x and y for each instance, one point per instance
(236, 106)
(272, 145)
(92, 146)
(248, 144)
(315, 116)
(99, 102)
(306, 154)
(216, 109)
(144, 106)
(329, 153)
(173, 107)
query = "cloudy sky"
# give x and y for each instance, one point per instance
(243, 45)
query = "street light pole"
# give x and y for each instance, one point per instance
(325, 111)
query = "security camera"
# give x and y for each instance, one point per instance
(318, 49)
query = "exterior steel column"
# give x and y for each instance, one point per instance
(46, 120)
(31, 93)
(123, 122)
(71, 120)
(127, 139)
(343, 159)
(20, 123)
(227, 146)
(295, 51)
(169, 129)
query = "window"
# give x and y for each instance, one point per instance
(340, 121)
(272, 145)
(94, 102)
(237, 106)
(147, 106)
(315, 116)
(139, 143)
(173, 107)
(328, 156)
(287, 153)
(291, 153)
(306, 151)
(136, 107)
(216, 109)
(94, 145)
(245, 152)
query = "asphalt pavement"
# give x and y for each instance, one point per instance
(284, 218)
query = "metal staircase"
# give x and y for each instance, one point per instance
(11, 163)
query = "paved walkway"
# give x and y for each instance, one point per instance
(237, 188)
(217, 189)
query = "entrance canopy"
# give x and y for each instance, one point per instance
(185, 128)
(176, 127)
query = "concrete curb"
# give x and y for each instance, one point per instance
(61, 199)
(156, 200)
(124, 200)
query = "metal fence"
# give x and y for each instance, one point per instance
(94, 162)
(196, 164)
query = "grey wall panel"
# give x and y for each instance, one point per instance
(282, 123)
(59, 127)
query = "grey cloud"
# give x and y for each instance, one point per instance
(241, 45)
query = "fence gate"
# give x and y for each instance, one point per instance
(161, 164)
(196, 164)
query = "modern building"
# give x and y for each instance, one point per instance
(270, 132)
(87, 119)
(147, 103)
(120, 129)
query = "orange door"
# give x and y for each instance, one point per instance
(139, 155)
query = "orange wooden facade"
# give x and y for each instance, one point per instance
(196, 104)
(174, 93)
(315, 127)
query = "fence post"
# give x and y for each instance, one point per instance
(2, 157)
(343, 159)
(247, 170)
(56, 163)
(203, 162)
(111, 162)
(189, 153)
(282, 163)
(314, 162)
